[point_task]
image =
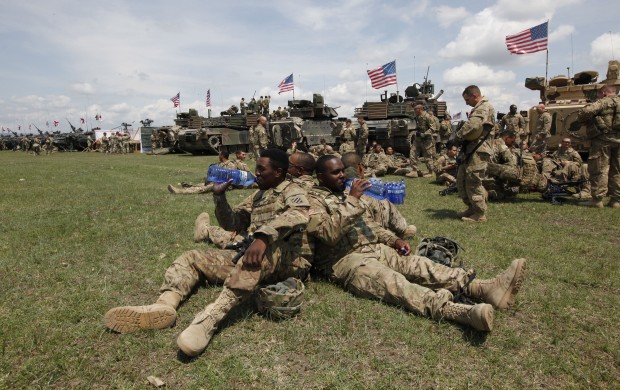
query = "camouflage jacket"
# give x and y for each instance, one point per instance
(569, 154)
(501, 153)
(512, 122)
(374, 160)
(306, 181)
(425, 125)
(275, 213)
(445, 161)
(347, 134)
(362, 138)
(260, 136)
(481, 118)
(543, 124)
(339, 225)
(445, 130)
(227, 164)
(240, 165)
(603, 112)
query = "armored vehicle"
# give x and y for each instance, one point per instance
(391, 121)
(563, 97)
(308, 123)
(76, 140)
(199, 135)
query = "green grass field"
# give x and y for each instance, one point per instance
(81, 233)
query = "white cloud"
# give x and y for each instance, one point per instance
(446, 16)
(83, 88)
(473, 73)
(603, 49)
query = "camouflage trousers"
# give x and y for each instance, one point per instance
(445, 178)
(361, 147)
(469, 182)
(346, 146)
(604, 168)
(399, 171)
(376, 170)
(215, 266)
(413, 282)
(221, 237)
(196, 189)
(426, 148)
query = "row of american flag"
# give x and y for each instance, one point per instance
(528, 41)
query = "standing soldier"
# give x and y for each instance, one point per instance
(513, 122)
(125, 142)
(259, 106)
(49, 144)
(242, 106)
(362, 137)
(604, 156)
(425, 144)
(89, 143)
(105, 143)
(445, 131)
(543, 131)
(475, 154)
(154, 140)
(261, 140)
(347, 137)
(266, 102)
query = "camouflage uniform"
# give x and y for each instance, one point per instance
(472, 171)
(514, 123)
(202, 188)
(445, 175)
(362, 139)
(261, 140)
(251, 143)
(347, 139)
(604, 157)
(351, 256)
(36, 146)
(398, 167)
(445, 132)
(424, 139)
(279, 214)
(375, 164)
(543, 127)
(496, 186)
(105, 143)
(566, 165)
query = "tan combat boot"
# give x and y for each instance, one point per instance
(476, 217)
(467, 213)
(194, 340)
(479, 317)
(614, 204)
(201, 232)
(172, 189)
(594, 203)
(501, 290)
(162, 314)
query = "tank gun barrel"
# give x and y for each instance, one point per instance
(73, 129)
(438, 95)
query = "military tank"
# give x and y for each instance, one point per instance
(391, 121)
(196, 134)
(308, 123)
(75, 141)
(563, 97)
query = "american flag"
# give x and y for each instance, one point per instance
(98, 117)
(383, 75)
(55, 123)
(176, 99)
(456, 117)
(529, 41)
(286, 84)
(82, 120)
(208, 100)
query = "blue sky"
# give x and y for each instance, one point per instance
(126, 59)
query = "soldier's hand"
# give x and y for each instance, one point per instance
(358, 187)
(220, 188)
(256, 251)
(402, 247)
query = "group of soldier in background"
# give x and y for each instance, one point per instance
(115, 143)
(31, 144)
(260, 106)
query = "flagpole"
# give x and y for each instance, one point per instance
(396, 74)
(547, 61)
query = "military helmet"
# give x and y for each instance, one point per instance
(282, 300)
(441, 250)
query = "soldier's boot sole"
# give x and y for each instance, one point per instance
(501, 291)
(466, 213)
(479, 317)
(127, 319)
(171, 189)
(475, 218)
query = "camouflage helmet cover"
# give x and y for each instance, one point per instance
(282, 300)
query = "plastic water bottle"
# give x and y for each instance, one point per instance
(376, 190)
(217, 174)
(395, 191)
